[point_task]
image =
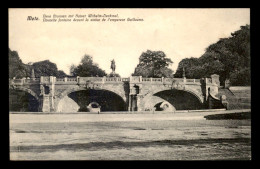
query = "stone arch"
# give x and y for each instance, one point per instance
(66, 92)
(28, 102)
(194, 93)
(26, 90)
(63, 94)
(118, 92)
(191, 91)
(154, 99)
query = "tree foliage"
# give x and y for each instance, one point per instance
(47, 68)
(153, 64)
(18, 69)
(87, 68)
(229, 57)
(72, 68)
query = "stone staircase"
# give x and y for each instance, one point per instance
(237, 97)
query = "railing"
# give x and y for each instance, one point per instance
(24, 81)
(156, 79)
(98, 79)
(190, 80)
(82, 80)
(68, 80)
(151, 80)
(169, 80)
(178, 80)
(18, 81)
(72, 79)
(146, 79)
(111, 79)
(125, 79)
(90, 78)
(60, 80)
(115, 79)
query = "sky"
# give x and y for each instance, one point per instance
(179, 33)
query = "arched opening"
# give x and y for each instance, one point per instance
(94, 107)
(22, 101)
(179, 99)
(108, 101)
(135, 89)
(164, 106)
(46, 89)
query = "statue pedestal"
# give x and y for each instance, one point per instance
(113, 74)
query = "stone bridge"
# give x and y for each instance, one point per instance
(135, 93)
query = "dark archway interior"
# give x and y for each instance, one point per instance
(157, 106)
(181, 100)
(22, 101)
(108, 101)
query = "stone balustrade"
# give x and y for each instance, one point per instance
(125, 79)
(83, 80)
(169, 80)
(24, 81)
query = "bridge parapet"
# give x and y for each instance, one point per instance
(66, 80)
(115, 79)
(23, 81)
(169, 80)
(84, 80)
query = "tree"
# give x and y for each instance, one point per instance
(241, 77)
(229, 57)
(199, 67)
(234, 53)
(153, 64)
(190, 63)
(72, 69)
(87, 68)
(61, 74)
(16, 67)
(47, 68)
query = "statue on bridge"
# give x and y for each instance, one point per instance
(113, 66)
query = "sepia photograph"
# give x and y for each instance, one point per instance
(129, 84)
